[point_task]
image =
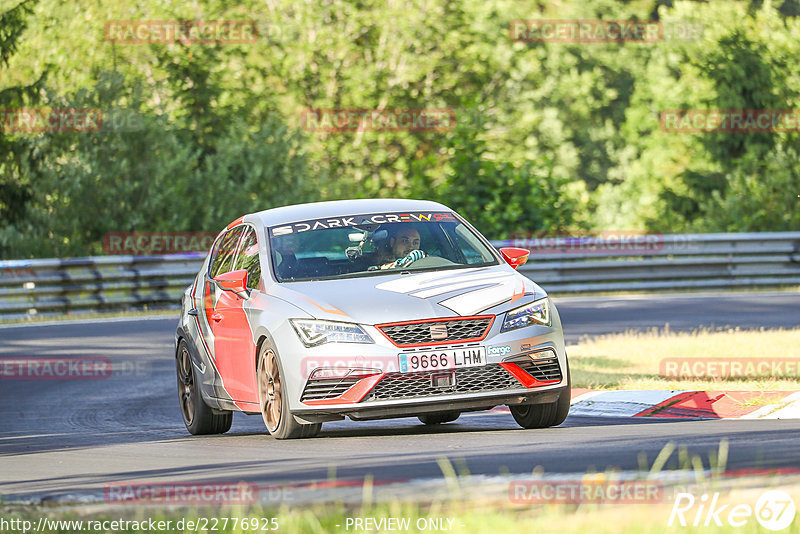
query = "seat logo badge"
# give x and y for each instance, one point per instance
(438, 331)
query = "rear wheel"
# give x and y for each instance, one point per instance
(439, 417)
(544, 415)
(274, 401)
(198, 417)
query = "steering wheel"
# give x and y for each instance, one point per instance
(432, 261)
(412, 256)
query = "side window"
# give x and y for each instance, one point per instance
(470, 246)
(225, 252)
(248, 258)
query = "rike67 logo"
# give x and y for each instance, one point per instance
(774, 510)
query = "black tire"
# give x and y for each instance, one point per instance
(438, 418)
(544, 415)
(274, 403)
(198, 417)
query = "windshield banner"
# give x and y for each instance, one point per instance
(358, 220)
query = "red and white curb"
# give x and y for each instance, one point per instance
(687, 404)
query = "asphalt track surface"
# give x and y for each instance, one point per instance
(73, 437)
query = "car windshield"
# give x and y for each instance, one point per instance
(374, 244)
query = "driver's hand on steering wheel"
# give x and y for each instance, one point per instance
(412, 256)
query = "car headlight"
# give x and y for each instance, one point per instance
(313, 332)
(537, 312)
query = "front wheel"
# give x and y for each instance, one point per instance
(198, 417)
(544, 415)
(274, 400)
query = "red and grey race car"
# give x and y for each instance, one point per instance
(366, 309)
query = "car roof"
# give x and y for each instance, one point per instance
(340, 208)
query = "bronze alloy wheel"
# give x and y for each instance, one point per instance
(269, 390)
(273, 400)
(186, 385)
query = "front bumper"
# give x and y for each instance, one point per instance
(417, 406)
(512, 380)
(528, 378)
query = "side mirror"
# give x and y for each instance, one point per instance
(515, 256)
(235, 281)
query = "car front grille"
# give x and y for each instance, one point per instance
(418, 333)
(490, 377)
(328, 388)
(542, 369)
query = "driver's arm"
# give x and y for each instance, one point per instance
(412, 256)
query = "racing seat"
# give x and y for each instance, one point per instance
(317, 266)
(287, 268)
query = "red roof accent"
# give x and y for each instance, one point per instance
(235, 223)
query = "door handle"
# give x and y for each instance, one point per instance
(217, 316)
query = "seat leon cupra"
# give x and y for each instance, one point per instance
(367, 309)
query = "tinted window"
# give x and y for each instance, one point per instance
(372, 244)
(247, 258)
(225, 252)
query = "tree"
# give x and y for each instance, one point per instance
(15, 188)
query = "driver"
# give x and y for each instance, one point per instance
(403, 248)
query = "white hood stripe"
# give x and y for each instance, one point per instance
(484, 289)
(474, 302)
(415, 282)
(482, 281)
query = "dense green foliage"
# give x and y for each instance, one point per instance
(550, 137)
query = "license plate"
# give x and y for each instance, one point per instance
(433, 360)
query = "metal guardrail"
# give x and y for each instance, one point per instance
(664, 262)
(99, 283)
(562, 266)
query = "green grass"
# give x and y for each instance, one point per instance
(466, 507)
(632, 360)
(468, 517)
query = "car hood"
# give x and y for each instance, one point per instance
(389, 298)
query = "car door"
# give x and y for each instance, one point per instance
(222, 258)
(233, 337)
